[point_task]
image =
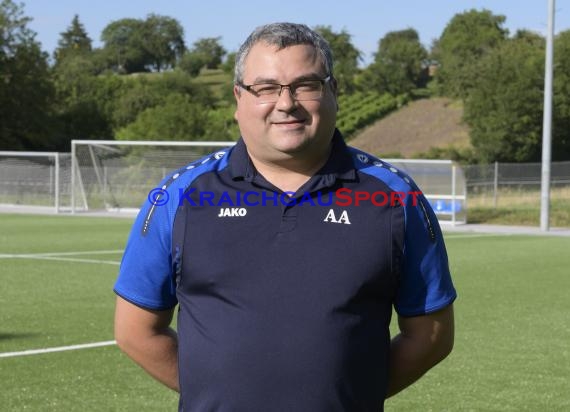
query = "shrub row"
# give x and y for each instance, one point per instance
(362, 109)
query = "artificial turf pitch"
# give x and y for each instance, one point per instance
(512, 347)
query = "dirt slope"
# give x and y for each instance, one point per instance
(421, 124)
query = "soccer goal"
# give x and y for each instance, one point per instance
(35, 179)
(442, 182)
(116, 176)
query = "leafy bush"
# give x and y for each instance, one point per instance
(180, 118)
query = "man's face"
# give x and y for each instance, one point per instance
(287, 128)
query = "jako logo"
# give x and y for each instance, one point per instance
(232, 211)
(332, 218)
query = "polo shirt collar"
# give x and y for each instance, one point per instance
(239, 163)
(339, 165)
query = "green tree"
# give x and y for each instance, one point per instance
(561, 98)
(134, 45)
(530, 37)
(124, 45)
(346, 57)
(26, 93)
(142, 93)
(229, 63)
(163, 41)
(209, 51)
(466, 39)
(179, 118)
(82, 98)
(192, 63)
(398, 64)
(73, 41)
(504, 107)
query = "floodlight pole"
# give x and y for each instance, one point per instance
(547, 123)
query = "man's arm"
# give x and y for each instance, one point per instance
(423, 342)
(146, 337)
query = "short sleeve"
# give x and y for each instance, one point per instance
(426, 285)
(145, 275)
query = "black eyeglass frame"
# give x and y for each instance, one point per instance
(291, 86)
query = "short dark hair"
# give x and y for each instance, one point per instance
(283, 35)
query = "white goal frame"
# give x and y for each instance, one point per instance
(77, 186)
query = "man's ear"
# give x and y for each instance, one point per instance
(237, 95)
(334, 85)
(237, 92)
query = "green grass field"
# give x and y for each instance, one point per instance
(512, 350)
(519, 207)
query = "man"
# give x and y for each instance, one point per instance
(285, 255)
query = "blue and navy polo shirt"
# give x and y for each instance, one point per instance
(285, 299)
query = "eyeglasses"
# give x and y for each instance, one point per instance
(301, 90)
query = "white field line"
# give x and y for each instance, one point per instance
(57, 349)
(83, 252)
(59, 256)
(62, 259)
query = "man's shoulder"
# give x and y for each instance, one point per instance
(184, 176)
(381, 170)
(165, 198)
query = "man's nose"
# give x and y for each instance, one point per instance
(285, 100)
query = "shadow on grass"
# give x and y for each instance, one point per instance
(13, 336)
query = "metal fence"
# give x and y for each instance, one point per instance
(492, 183)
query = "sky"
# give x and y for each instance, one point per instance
(367, 21)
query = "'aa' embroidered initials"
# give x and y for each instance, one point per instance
(332, 218)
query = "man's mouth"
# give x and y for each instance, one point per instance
(290, 123)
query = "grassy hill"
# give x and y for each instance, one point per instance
(415, 128)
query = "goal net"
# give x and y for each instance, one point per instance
(443, 184)
(35, 179)
(116, 176)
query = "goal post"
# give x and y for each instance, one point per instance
(35, 179)
(114, 175)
